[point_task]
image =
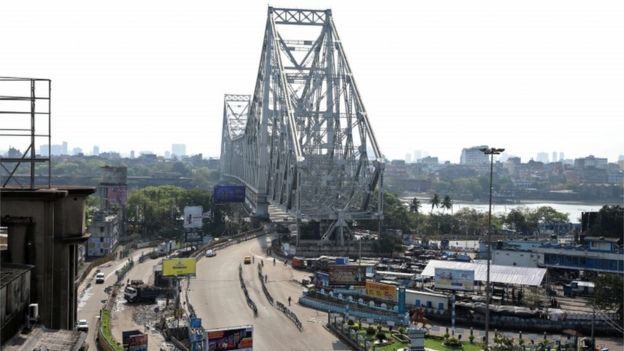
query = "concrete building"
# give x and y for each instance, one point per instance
(178, 150)
(590, 162)
(44, 229)
(104, 234)
(542, 157)
(473, 156)
(598, 254)
(96, 150)
(14, 297)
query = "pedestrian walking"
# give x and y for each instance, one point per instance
(288, 300)
(266, 278)
(274, 261)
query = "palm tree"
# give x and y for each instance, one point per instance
(415, 205)
(447, 203)
(435, 201)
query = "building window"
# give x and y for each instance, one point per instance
(440, 306)
(101, 229)
(101, 239)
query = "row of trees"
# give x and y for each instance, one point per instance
(466, 221)
(158, 210)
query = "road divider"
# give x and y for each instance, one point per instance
(250, 302)
(280, 306)
(263, 282)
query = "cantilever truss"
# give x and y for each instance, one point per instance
(303, 140)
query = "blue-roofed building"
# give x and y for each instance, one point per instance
(597, 254)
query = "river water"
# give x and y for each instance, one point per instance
(573, 209)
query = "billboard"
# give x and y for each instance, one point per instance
(178, 266)
(454, 279)
(228, 193)
(381, 291)
(231, 339)
(134, 340)
(192, 236)
(347, 275)
(193, 217)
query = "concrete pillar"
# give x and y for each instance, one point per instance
(417, 338)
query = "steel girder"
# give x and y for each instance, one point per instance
(307, 143)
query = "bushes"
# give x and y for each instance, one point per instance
(370, 331)
(106, 332)
(452, 342)
(381, 336)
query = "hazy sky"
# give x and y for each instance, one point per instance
(434, 75)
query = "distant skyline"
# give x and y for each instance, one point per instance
(534, 76)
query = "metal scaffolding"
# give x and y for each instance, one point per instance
(303, 140)
(25, 113)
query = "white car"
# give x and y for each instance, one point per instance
(210, 253)
(82, 325)
(99, 278)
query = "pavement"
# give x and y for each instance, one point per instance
(92, 297)
(219, 301)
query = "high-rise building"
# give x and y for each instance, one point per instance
(408, 158)
(542, 157)
(131, 153)
(44, 150)
(96, 150)
(473, 156)
(76, 151)
(56, 149)
(178, 150)
(590, 162)
(417, 155)
(561, 157)
(554, 156)
(64, 148)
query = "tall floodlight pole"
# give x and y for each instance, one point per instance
(489, 151)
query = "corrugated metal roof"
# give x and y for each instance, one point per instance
(498, 274)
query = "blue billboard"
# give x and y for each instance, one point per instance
(228, 193)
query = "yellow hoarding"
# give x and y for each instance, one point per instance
(179, 266)
(381, 291)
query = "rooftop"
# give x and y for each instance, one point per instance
(498, 274)
(46, 339)
(10, 271)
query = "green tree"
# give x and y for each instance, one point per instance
(415, 205)
(609, 292)
(610, 222)
(435, 201)
(545, 215)
(517, 219)
(447, 203)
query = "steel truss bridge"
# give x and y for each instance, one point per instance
(303, 141)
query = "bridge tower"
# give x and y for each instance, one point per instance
(303, 140)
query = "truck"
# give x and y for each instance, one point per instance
(146, 293)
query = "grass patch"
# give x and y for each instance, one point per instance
(106, 332)
(438, 345)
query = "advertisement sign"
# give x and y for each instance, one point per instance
(134, 340)
(454, 279)
(381, 291)
(137, 342)
(191, 236)
(228, 193)
(321, 280)
(178, 266)
(347, 275)
(231, 339)
(193, 217)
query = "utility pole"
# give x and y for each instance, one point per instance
(491, 152)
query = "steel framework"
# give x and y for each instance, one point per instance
(303, 140)
(25, 111)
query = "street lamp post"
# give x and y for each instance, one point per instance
(489, 151)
